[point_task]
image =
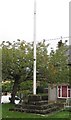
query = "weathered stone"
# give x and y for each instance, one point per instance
(36, 104)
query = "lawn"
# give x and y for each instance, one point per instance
(12, 114)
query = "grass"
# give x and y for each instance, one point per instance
(12, 114)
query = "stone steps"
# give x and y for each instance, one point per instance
(33, 106)
(36, 104)
(43, 109)
(38, 111)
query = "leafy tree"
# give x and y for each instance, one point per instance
(58, 65)
(42, 62)
(16, 63)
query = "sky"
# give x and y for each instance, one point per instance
(17, 20)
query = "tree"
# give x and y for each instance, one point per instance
(16, 63)
(58, 65)
(42, 62)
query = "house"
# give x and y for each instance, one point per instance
(59, 91)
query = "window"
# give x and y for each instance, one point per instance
(69, 91)
(59, 91)
(63, 91)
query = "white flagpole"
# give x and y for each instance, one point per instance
(34, 69)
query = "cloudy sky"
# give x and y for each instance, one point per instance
(17, 19)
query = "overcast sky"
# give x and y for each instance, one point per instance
(17, 19)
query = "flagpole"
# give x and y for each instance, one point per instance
(34, 69)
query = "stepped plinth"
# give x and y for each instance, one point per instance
(36, 104)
